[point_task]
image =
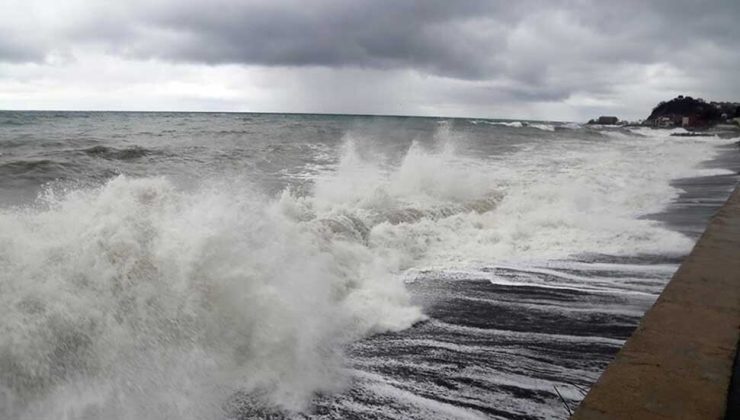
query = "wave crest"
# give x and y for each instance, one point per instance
(138, 293)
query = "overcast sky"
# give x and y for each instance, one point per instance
(561, 60)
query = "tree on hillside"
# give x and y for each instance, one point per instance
(685, 106)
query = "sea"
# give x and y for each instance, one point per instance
(288, 266)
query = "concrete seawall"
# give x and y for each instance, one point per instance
(678, 363)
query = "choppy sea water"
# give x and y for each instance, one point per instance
(239, 266)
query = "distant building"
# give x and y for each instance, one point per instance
(607, 120)
(664, 121)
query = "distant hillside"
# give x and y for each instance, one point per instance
(687, 111)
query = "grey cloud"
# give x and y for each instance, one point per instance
(437, 36)
(572, 45)
(15, 47)
(468, 39)
(15, 53)
(431, 36)
(524, 51)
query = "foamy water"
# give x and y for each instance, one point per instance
(203, 280)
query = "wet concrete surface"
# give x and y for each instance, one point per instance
(678, 364)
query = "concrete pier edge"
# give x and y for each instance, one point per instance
(678, 364)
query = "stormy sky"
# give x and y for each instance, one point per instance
(560, 60)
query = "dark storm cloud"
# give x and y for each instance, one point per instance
(464, 39)
(523, 51)
(438, 37)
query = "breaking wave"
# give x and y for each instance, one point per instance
(139, 299)
(523, 124)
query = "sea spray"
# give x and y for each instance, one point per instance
(439, 207)
(139, 300)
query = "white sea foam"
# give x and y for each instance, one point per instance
(549, 201)
(543, 127)
(657, 132)
(138, 299)
(512, 124)
(520, 124)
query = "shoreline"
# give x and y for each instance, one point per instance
(679, 361)
(702, 196)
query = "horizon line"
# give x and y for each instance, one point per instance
(283, 113)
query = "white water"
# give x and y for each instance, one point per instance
(549, 200)
(522, 124)
(139, 300)
(136, 300)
